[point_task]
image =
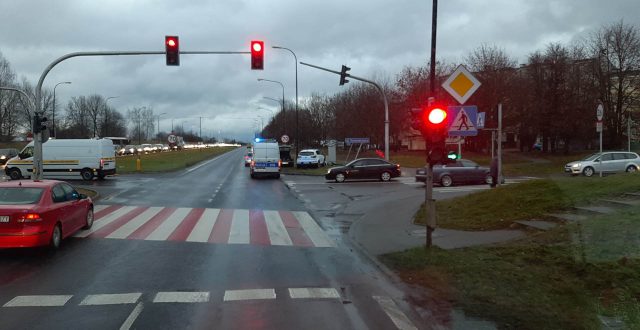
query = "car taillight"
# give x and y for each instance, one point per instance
(279, 162)
(253, 163)
(397, 165)
(101, 163)
(30, 217)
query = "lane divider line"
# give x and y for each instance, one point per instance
(132, 317)
(398, 318)
(311, 293)
(111, 299)
(38, 301)
(181, 297)
(250, 294)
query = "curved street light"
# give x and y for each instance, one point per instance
(284, 114)
(53, 120)
(296, 66)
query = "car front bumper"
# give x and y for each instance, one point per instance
(572, 170)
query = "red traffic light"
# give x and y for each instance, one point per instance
(172, 48)
(437, 116)
(257, 55)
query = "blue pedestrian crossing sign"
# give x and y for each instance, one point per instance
(463, 120)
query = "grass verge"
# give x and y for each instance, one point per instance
(499, 208)
(168, 161)
(536, 283)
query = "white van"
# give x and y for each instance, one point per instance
(266, 159)
(63, 158)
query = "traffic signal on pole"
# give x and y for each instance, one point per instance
(257, 55)
(344, 75)
(172, 46)
(436, 129)
(453, 156)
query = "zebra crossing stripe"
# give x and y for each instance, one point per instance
(277, 232)
(315, 233)
(204, 227)
(131, 226)
(107, 219)
(168, 225)
(239, 233)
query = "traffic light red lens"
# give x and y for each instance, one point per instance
(257, 47)
(437, 116)
(171, 43)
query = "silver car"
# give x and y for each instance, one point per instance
(608, 162)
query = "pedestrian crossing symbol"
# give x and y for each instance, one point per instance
(462, 120)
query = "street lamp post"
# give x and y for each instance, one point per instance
(53, 120)
(164, 113)
(296, 66)
(284, 114)
(279, 102)
(106, 114)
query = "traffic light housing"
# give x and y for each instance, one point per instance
(257, 55)
(172, 47)
(39, 124)
(344, 75)
(436, 128)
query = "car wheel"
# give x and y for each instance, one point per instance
(631, 168)
(89, 220)
(278, 176)
(87, 174)
(488, 179)
(340, 177)
(588, 171)
(385, 176)
(56, 237)
(101, 176)
(446, 181)
(15, 174)
(253, 176)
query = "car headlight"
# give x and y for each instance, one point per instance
(576, 165)
(3, 157)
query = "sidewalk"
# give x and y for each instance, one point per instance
(389, 228)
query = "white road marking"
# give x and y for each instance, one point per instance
(311, 228)
(305, 293)
(277, 232)
(398, 318)
(251, 294)
(181, 297)
(98, 208)
(189, 170)
(135, 223)
(102, 222)
(202, 230)
(38, 301)
(169, 225)
(132, 317)
(111, 299)
(239, 233)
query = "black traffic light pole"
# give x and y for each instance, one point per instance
(430, 203)
(37, 151)
(343, 75)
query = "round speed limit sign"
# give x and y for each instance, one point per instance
(172, 139)
(284, 138)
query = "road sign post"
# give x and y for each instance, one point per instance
(599, 116)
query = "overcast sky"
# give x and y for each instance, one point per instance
(375, 38)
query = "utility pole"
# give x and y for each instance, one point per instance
(430, 203)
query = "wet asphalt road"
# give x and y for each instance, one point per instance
(102, 283)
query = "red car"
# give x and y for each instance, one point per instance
(41, 213)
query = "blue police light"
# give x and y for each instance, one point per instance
(257, 139)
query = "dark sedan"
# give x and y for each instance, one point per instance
(463, 171)
(364, 168)
(6, 154)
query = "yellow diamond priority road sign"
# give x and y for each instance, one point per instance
(461, 84)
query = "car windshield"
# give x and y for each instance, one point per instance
(19, 195)
(306, 153)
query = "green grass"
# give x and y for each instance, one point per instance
(499, 208)
(531, 284)
(167, 161)
(321, 171)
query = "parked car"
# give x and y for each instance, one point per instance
(127, 150)
(463, 171)
(6, 154)
(158, 147)
(247, 159)
(364, 168)
(147, 148)
(310, 157)
(608, 162)
(41, 213)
